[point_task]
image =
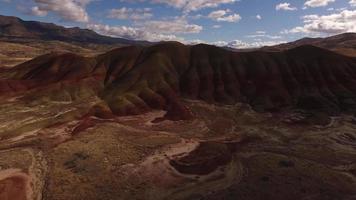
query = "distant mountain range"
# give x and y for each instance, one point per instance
(22, 40)
(343, 44)
(16, 28)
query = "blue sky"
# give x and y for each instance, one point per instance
(238, 23)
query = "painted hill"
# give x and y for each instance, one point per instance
(132, 80)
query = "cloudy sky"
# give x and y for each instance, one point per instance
(238, 23)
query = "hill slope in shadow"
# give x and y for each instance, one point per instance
(133, 80)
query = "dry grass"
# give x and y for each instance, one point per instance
(111, 159)
(14, 53)
(346, 51)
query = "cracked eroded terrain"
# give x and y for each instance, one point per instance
(62, 151)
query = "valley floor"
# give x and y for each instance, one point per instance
(56, 151)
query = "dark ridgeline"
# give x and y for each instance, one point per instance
(342, 40)
(133, 80)
(343, 44)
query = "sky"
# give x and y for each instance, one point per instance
(234, 23)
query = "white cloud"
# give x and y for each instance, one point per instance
(258, 17)
(188, 5)
(336, 23)
(220, 43)
(175, 26)
(238, 44)
(130, 13)
(193, 5)
(263, 34)
(341, 9)
(68, 10)
(285, 6)
(352, 2)
(38, 12)
(272, 37)
(150, 30)
(224, 16)
(131, 33)
(216, 26)
(194, 42)
(317, 3)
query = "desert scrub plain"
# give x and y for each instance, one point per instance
(19, 51)
(73, 149)
(172, 121)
